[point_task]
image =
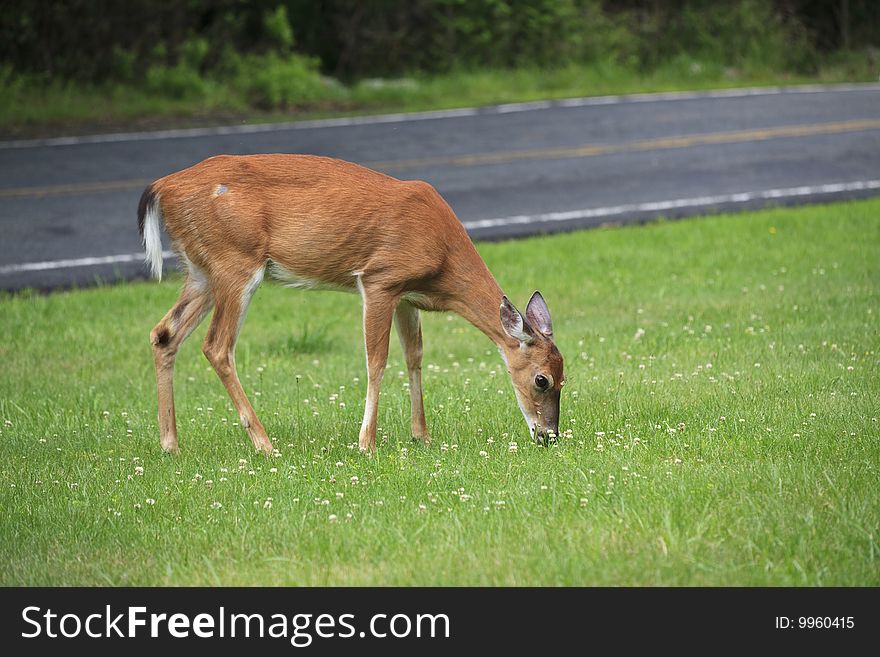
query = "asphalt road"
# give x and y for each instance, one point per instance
(67, 206)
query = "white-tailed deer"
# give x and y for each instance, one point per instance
(318, 222)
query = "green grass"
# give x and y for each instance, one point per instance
(33, 106)
(735, 442)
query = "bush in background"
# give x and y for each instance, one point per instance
(279, 54)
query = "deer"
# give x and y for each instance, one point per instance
(321, 223)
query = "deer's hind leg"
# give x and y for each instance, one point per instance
(232, 295)
(167, 336)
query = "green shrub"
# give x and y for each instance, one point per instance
(191, 57)
(97, 42)
(277, 28)
(275, 82)
(180, 81)
(193, 52)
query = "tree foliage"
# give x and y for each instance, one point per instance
(101, 40)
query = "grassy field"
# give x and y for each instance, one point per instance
(721, 412)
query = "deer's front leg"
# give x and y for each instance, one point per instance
(378, 311)
(409, 330)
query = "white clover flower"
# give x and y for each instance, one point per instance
(216, 505)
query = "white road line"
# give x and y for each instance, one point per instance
(77, 262)
(549, 217)
(405, 117)
(659, 206)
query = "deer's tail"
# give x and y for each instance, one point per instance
(149, 227)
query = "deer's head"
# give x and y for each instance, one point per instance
(535, 365)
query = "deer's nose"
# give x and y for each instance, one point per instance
(545, 436)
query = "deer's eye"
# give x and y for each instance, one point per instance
(541, 382)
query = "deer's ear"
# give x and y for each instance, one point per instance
(513, 323)
(538, 315)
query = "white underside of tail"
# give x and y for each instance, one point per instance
(153, 238)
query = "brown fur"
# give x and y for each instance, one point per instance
(335, 224)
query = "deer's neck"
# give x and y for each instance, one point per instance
(476, 296)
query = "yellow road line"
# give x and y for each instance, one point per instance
(476, 159)
(73, 188)
(662, 143)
